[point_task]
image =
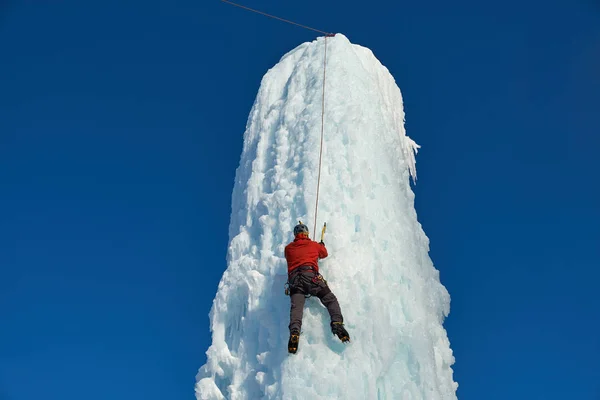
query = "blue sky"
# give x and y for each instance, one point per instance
(121, 128)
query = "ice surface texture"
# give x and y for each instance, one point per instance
(379, 267)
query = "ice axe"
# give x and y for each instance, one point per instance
(323, 231)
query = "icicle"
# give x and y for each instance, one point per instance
(410, 149)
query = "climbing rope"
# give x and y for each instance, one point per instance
(274, 17)
(327, 34)
(321, 146)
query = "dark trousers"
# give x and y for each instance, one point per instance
(301, 284)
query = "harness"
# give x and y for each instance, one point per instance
(293, 277)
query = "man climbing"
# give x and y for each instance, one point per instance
(304, 279)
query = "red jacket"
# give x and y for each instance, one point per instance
(303, 251)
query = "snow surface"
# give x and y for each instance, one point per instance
(378, 265)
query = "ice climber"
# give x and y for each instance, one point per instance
(304, 280)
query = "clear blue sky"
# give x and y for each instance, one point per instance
(121, 128)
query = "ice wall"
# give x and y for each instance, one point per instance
(379, 267)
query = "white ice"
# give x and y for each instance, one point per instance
(378, 265)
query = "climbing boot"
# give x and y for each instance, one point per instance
(338, 329)
(293, 342)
